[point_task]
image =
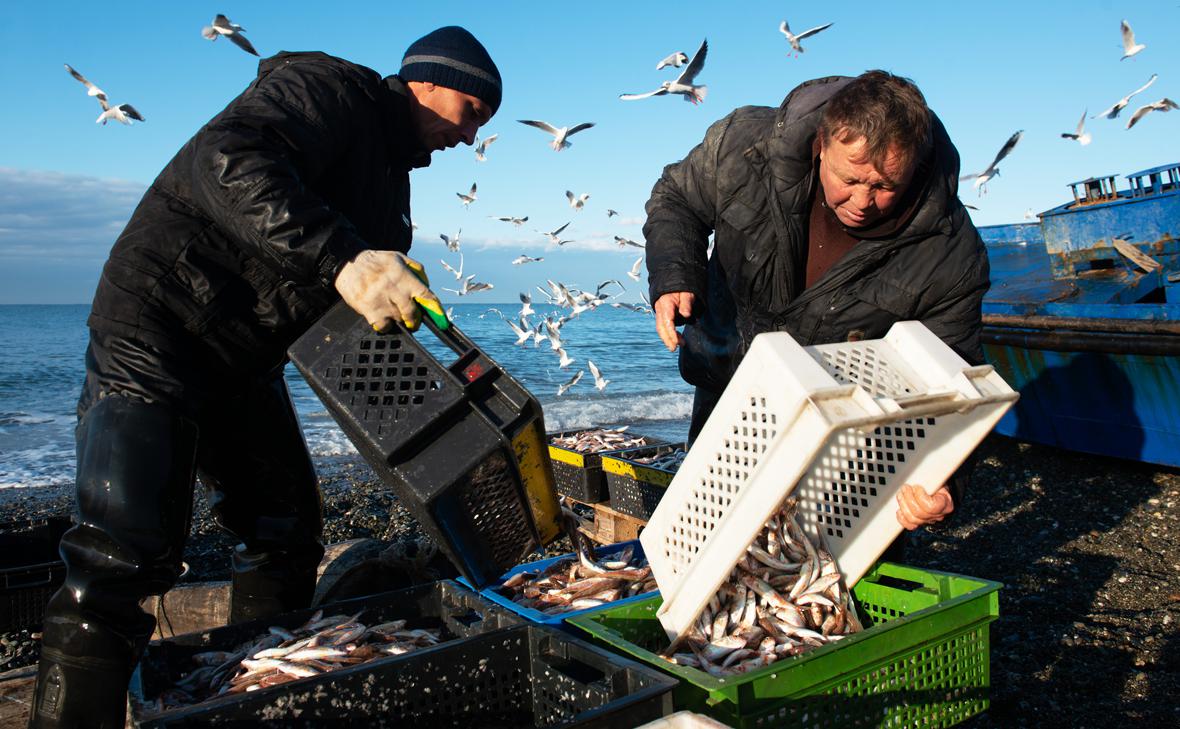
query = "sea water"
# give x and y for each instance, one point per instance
(42, 366)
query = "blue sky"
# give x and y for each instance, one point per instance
(67, 185)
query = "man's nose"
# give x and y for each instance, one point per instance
(468, 134)
(862, 198)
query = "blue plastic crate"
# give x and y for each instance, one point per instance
(536, 616)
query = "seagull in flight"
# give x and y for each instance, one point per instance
(509, 219)
(1080, 134)
(481, 147)
(993, 169)
(123, 113)
(794, 39)
(522, 332)
(577, 201)
(562, 389)
(469, 197)
(560, 136)
(452, 243)
(676, 60)
(624, 242)
(526, 305)
(611, 213)
(522, 259)
(566, 360)
(599, 381)
(1113, 111)
(457, 274)
(553, 235)
(221, 26)
(1161, 105)
(1130, 47)
(470, 287)
(684, 83)
(634, 272)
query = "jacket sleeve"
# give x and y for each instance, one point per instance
(252, 165)
(958, 318)
(681, 214)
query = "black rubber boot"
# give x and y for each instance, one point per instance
(269, 583)
(134, 485)
(71, 695)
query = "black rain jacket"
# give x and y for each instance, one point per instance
(234, 249)
(749, 183)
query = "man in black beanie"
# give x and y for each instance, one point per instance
(296, 195)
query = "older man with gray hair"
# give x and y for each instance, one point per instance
(833, 217)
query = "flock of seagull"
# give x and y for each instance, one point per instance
(684, 85)
(1079, 134)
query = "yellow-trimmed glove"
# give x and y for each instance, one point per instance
(383, 286)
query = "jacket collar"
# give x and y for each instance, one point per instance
(406, 150)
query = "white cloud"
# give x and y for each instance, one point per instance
(55, 216)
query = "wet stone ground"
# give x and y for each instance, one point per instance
(1088, 550)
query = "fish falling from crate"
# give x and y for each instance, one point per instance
(784, 597)
(320, 645)
(598, 440)
(581, 583)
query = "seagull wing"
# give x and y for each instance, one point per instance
(635, 268)
(457, 274)
(1006, 149)
(1128, 37)
(1139, 114)
(242, 42)
(558, 231)
(91, 89)
(1081, 124)
(579, 127)
(570, 196)
(594, 371)
(785, 29)
(695, 65)
(1150, 81)
(633, 97)
(545, 126)
(1114, 110)
(812, 31)
(489, 140)
(130, 111)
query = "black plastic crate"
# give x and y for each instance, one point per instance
(31, 570)
(460, 444)
(579, 475)
(635, 489)
(527, 676)
(458, 611)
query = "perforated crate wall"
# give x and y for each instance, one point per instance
(840, 427)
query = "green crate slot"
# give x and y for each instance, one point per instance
(922, 660)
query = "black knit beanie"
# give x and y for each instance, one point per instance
(453, 58)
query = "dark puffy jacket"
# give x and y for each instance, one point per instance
(235, 247)
(750, 183)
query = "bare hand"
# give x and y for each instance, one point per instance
(917, 508)
(382, 286)
(666, 308)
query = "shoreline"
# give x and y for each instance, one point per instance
(1087, 548)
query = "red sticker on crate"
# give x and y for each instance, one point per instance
(473, 371)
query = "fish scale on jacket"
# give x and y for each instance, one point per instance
(247, 264)
(750, 182)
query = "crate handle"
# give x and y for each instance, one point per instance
(579, 672)
(11, 582)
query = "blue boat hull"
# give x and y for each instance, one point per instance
(1122, 405)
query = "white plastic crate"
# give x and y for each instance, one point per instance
(842, 426)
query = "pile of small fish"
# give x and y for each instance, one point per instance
(578, 584)
(670, 461)
(784, 597)
(598, 440)
(320, 645)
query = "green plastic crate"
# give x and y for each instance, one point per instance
(922, 660)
